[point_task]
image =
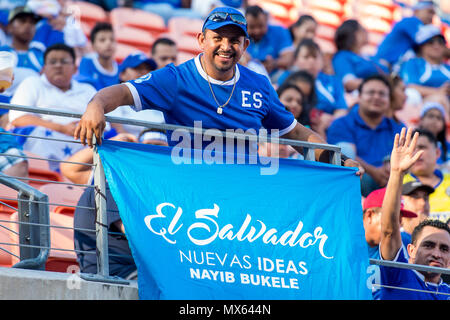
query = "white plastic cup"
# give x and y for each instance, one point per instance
(8, 61)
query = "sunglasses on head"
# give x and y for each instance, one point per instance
(222, 16)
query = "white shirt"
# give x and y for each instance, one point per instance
(128, 113)
(39, 92)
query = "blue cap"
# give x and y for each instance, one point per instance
(427, 32)
(213, 25)
(135, 59)
(423, 5)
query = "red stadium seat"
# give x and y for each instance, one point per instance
(327, 18)
(139, 38)
(87, 12)
(327, 5)
(61, 238)
(183, 25)
(139, 19)
(124, 50)
(186, 43)
(39, 169)
(62, 197)
(184, 56)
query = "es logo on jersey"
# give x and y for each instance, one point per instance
(143, 78)
(251, 99)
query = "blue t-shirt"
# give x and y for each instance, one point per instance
(373, 273)
(419, 71)
(46, 36)
(330, 93)
(182, 93)
(29, 63)
(90, 71)
(410, 279)
(372, 145)
(276, 40)
(348, 65)
(401, 39)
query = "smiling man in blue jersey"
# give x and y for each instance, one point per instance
(211, 88)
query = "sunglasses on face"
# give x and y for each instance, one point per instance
(222, 16)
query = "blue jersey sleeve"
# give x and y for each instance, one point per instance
(283, 39)
(46, 36)
(155, 90)
(278, 117)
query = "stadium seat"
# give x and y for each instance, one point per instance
(374, 24)
(138, 38)
(61, 238)
(325, 32)
(327, 18)
(136, 18)
(62, 197)
(87, 12)
(327, 5)
(183, 25)
(184, 56)
(124, 50)
(185, 43)
(327, 46)
(39, 169)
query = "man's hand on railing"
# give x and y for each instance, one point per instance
(353, 163)
(92, 122)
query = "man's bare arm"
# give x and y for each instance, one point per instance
(403, 156)
(302, 133)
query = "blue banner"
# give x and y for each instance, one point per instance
(226, 231)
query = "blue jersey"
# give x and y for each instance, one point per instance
(373, 273)
(401, 39)
(275, 41)
(46, 36)
(91, 71)
(372, 145)
(183, 94)
(29, 63)
(348, 65)
(419, 71)
(330, 93)
(409, 279)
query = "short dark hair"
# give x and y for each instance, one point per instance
(62, 47)
(378, 77)
(345, 37)
(428, 222)
(310, 44)
(426, 133)
(100, 26)
(254, 11)
(165, 41)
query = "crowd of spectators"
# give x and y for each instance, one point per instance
(351, 100)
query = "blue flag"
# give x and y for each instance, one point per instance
(226, 231)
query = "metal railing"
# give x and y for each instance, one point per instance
(36, 252)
